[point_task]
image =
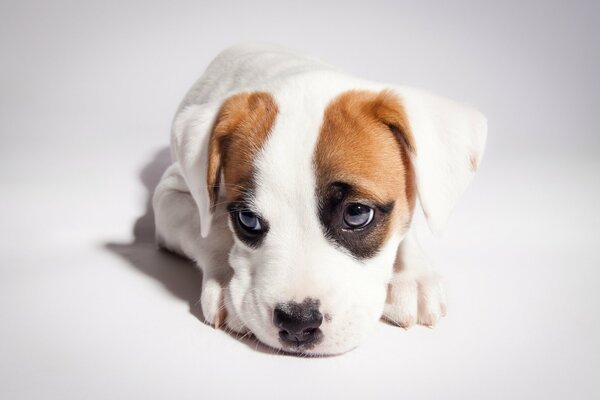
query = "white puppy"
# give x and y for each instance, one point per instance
(293, 186)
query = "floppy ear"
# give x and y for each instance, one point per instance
(448, 140)
(190, 137)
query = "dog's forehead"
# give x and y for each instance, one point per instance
(285, 163)
(285, 177)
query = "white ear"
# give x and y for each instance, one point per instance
(189, 146)
(449, 140)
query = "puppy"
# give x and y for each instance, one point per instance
(293, 186)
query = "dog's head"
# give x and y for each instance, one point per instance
(319, 195)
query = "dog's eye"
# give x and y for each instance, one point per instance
(249, 221)
(358, 215)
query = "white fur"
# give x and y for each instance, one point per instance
(449, 137)
(295, 261)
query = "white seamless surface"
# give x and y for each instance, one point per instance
(91, 310)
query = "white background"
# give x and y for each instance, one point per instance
(89, 309)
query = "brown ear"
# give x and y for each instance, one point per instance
(388, 109)
(242, 126)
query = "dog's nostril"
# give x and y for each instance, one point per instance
(306, 336)
(299, 322)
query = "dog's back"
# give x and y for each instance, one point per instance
(250, 66)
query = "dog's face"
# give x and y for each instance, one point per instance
(319, 199)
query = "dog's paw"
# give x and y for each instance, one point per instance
(212, 302)
(415, 297)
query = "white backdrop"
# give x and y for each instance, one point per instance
(89, 309)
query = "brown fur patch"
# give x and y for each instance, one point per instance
(365, 142)
(243, 125)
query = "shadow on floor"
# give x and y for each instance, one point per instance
(177, 274)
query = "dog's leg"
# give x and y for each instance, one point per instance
(178, 229)
(416, 293)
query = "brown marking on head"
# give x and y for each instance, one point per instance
(243, 125)
(364, 143)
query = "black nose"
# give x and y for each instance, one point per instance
(299, 322)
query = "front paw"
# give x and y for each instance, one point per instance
(212, 302)
(415, 297)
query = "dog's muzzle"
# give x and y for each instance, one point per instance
(299, 323)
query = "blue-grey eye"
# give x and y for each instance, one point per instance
(249, 221)
(358, 215)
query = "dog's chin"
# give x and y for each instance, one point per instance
(302, 351)
(306, 349)
(315, 351)
(323, 346)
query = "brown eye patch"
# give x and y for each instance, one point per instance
(364, 241)
(362, 157)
